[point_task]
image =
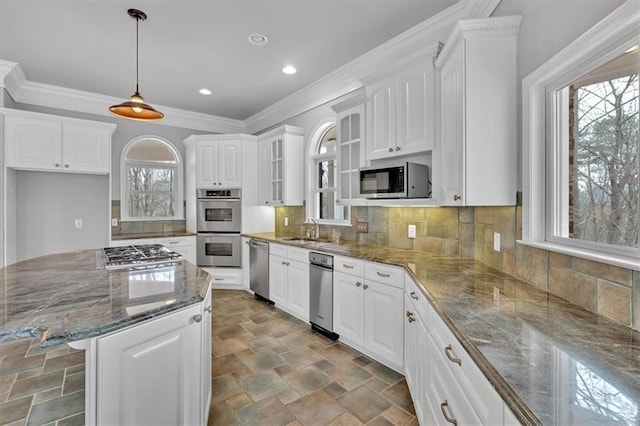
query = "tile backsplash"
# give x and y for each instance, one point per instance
(152, 227)
(611, 291)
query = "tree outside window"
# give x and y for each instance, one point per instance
(325, 176)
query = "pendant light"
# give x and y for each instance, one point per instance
(135, 108)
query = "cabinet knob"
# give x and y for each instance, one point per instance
(410, 316)
(197, 318)
(443, 408)
(456, 197)
(413, 295)
(266, 202)
(366, 286)
(208, 309)
(390, 149)
(358, 284)
(397, 148)
(214, 183)
(57, 164)
(66, 166)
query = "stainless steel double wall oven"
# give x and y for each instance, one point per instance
(218, 221)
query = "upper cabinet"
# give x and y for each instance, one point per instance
(400, 113)
(219, 163)
(280, 166)
(477, 78)
(350, 120)
(43, 142)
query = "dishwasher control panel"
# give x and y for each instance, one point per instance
(321, 259)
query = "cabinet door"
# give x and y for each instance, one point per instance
(230, 164)
(86, 148)
(415, 114)
(33, 144)
(381, 119)
(277, 171)
(298, 289)
(416, 361)
(207, 164)
(278, 280)
(150, 373)
(452, 129)
(348, 307)
(350, 150)
(205, 379)
(383, 313)
(264, 173)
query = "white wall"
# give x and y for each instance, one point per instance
(547, 27)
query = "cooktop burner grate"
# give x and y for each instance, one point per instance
(138, 255)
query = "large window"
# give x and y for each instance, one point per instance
(581, 183)
(324, 179)
(151, 180)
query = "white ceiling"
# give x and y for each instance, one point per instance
(185, 45)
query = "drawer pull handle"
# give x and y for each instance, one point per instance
(208, 309)
(456, 197)
(413, 295)
(443, 407)
(347, 266)
(197, 318)
(410, 316)
(448, 352)
(382, 274)
(365, 286)
(218, 278)
(358, 284)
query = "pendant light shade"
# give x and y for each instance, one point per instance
(135, 108)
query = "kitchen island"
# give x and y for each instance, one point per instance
(132, 324)
(550, 361)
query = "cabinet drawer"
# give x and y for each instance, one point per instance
(485, 400)
(390, 275)
(418, 299)
(225, 275)
(298, 254)
(132, 242)
(278, 250)
(348, 265)
(176, 241)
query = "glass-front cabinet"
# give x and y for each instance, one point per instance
(351, 132)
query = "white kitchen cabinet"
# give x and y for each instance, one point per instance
(280, 167)
(151, 373)
(218, 160)
(350, 118)
(224, 278)
(289, 279)
(400, 113)
(476, 137)
(206, 393)
(368, 313)
(416, 360)
(45, 142)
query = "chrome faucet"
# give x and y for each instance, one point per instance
(316, 232)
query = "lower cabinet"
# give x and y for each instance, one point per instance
(416, 361)
(289, 280)
(158, 372)
(368, 314)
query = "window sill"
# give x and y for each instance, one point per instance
(596, 256)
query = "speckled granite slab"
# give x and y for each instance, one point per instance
(63, 297)
(552, 362)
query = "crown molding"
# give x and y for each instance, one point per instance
(51, 96)
(418, 43)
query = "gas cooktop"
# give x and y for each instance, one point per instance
(137, 256)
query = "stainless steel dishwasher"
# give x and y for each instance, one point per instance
(259, 268)
(321, 293)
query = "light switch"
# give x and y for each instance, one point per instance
(412, 231)
(496, 241)
(78, 223)
(114, 222)
(286, 221)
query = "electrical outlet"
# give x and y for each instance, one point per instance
(411, 231)
(496, 241)
(78, 223)
(286, 221)
(114, 222)
(362, 227)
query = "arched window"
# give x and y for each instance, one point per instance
(150, 180)
(323, 177)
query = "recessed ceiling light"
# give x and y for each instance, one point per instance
(204, 91)
(258, 39)
(289, 70)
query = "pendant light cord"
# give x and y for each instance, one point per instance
(137, 60)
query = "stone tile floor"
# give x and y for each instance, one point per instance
(271, 369)
(268, 369)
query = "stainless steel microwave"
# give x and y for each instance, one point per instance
(406, 180)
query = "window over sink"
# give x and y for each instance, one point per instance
(151, 180)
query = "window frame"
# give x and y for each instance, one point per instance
(313, 159)
(542, 142)
(124, 180)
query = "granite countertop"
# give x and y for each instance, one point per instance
(168, 234)
(552, 362)
(63, 297)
